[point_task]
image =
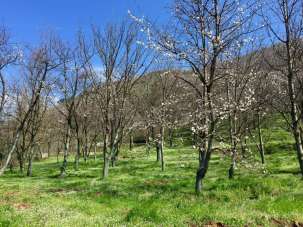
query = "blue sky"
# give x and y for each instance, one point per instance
(28, 19)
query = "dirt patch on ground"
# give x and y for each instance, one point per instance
(283, 223)
(214, 224)
(2, 203)
(11, 193)
(63, 192)
(209, 224)
(17, 206)
(99, 193)
(274, 222)
(156, 182)
(22, 206)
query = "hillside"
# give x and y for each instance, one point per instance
(137, 193)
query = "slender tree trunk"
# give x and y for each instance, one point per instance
(299, 149)
(204, 157)
(65, 152)
(148, 142)
(115, 153)
(21, 165)
(295, 126)
(131, 141)
(171, 137)
(245, 146)
(232, 167)
(113, 157)
(194, 139)
(206, 150)
(295, 123)
(86, 153)
(162, 148)
(115, 145)
(9, 156)
(291, 92)
(29, 168)
(162, 159)
(95, 151)
(106, 159)
(158, 147)
(105, 165)
(48, 149)
(11, 166)
(232, 133)
(152, 132)
(30, 163)
(233, 143)
(58, 153)
(77, 159)
(20, 159)
(86, 147)
(261, 144)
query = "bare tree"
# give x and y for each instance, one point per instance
(241, 74)
(122, 62)
(32, 127)
(9, 54)
(72, 82)
(202, 37)
(156, 107)
(285, 61)
(42, 61)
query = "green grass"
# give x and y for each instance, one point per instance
(137, 193)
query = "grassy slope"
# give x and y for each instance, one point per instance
(138, 193)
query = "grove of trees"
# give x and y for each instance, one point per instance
(218, 70)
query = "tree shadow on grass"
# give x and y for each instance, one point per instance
(293, 171)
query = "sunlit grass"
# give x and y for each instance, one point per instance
(137, 193)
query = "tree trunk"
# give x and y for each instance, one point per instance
(152, 132)
(20, 159)
(205, 152)
(9, 156)
(29, 168)
(299, 149)
(171, 137)
(30, 163)
(292, 95)
(113, 157)
(105, 165)
(58, 153)
(194, 139)
(261, 144)
(48, 149)
(65, 153)
(232, 167)
(77, 159)
(11, 167)
(21, 165)
(162, 159)
(86, 147)
(148, 142)
(233, 143)
(131, 141)
(95, 151)
(106, 159)
(162, 148)
(244, 147)
(204, 157)
(158, 152)
(295, 126)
